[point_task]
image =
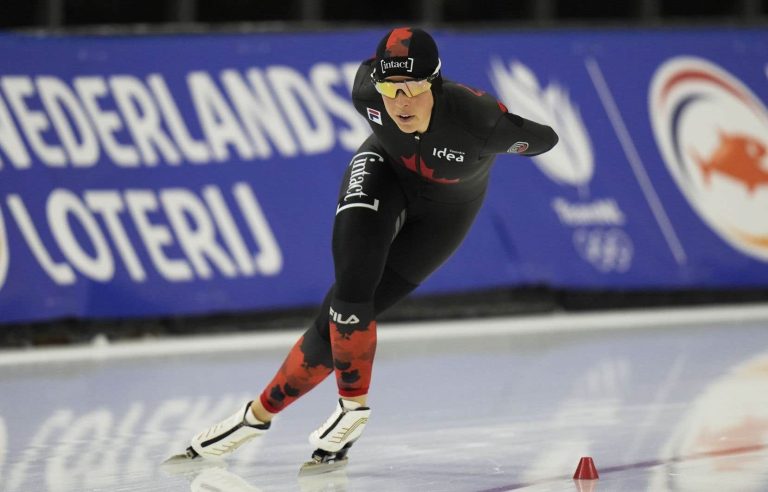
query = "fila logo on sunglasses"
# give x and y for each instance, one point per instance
(374, 115)
(407, 64)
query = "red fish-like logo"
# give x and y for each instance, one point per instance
(712, 132)
(737, 156)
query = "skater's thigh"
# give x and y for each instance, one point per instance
(430, 237)
(370, 204)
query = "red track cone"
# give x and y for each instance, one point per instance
(586, 470)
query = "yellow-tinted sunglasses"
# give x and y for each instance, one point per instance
(410, 88)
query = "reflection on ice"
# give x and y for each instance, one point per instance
(3, 448)
(218, 479)
(727, 422)
(663, 409)
(87, 450)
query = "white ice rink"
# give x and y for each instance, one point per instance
(673, 400)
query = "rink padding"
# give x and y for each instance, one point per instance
(434, 332)
(185, 176)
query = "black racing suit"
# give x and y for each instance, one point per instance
(406, 203)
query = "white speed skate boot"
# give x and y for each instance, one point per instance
(228, 435)
(334, 438)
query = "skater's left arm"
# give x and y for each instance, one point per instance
(517, 135)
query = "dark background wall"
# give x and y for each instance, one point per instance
(56, 14)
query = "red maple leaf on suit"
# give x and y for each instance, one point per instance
(424, 171)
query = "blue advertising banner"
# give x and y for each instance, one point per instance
(177, 175)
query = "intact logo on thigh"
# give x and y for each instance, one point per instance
(355, 196)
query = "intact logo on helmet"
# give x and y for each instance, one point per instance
(399, 65)
(712, 132)
(406, 51)
(4, 252)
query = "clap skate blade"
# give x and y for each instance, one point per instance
(184, 457)
(325, 462)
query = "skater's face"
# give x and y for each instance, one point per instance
(411, 114)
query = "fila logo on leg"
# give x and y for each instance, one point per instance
(339, 318)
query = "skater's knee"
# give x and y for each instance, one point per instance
(356, 283)
(358, 266)
(316, 345)
(392, 288)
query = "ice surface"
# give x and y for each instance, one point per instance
(457, 406)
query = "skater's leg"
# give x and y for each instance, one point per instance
(432, 233)
(343, 336)
(362, 235)
(369, 213)
(392, 288)
(307, 364)
(314, 351)
(353, 340)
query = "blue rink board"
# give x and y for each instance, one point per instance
(197, 174)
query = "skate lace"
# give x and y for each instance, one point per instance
(224, 425)
(333, 418)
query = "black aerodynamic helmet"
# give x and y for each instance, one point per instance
(406, 51)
